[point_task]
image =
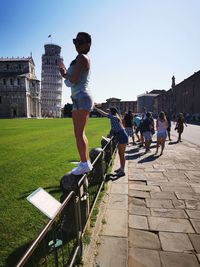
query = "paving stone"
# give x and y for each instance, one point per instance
(176, 242)
(163, 195)
(196, 225)
(178, 204)
(180, 178)
(146, 188)
(194, 214)
(157, 176)
(138, 222)
(139, 210)
(143, 239)
(193, 174)
(188, 196)
(169, 213)
(116, 223)
(195, 239)
(121, 180)
(138, 176)
(112, 252)
(192, 204)
(139, 194)
(171, 188)
(119, 188)
(159, 203)
(198, 257)
(118, 201)
(138, 182)
(137, 201)
(139, 257)
(170, 225)
(171, 259)
(168, 183)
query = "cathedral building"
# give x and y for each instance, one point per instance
(51, 82)
(19, 88)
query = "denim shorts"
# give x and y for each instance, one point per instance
(122, 137)
(82, 100)
(147, 136)
(162, 135)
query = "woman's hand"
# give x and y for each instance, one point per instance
(63, 70)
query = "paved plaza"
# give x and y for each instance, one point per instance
(152, 215)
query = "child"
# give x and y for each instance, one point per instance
(122, 137)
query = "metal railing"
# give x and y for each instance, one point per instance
(60, 242)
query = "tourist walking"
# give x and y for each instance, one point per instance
(136, 125)
(169, 126)
(148, 129)
(161, 127)
(121, 135)
(77, 77)
(180, 126)
(128, 124)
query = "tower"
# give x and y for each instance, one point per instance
(173, 81)
(51, 82)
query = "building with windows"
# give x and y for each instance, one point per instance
(19, 88)
(51, 82)
(122, 106)
(183, 97)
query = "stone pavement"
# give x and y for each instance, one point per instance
(152, 216)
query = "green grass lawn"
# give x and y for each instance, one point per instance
(34, 153)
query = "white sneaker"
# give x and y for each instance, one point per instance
(83, 167)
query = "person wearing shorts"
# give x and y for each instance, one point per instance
(77, 77)
(148, 125)
(128, 123)
(120, 133)
(161, 126)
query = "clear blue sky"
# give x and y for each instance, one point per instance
(137, 44)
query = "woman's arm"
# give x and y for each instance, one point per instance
(63, 70)
(101, 111)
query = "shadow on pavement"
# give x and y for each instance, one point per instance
(173, 143)
(135, 156)
(148, 159)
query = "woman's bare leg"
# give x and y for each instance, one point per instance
(121, 152)
(79, 120)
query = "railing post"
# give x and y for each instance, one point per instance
(108, 150)
(98, 168)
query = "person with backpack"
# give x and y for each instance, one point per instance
(147, 130)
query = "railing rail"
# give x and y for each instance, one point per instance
(61, 238)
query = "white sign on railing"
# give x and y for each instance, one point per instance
(44, 202)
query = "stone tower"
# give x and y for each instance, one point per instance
(173, 81)
(51, 82)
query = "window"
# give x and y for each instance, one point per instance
(11, 81)
(18, 81)
(7, 66)
(4, 81)
(20, 66)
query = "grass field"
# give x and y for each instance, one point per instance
(34, 153)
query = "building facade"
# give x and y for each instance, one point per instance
(122, 106)
(51, 82)
(181, 98)
(146, 100)
(19, 88)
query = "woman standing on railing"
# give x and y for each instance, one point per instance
(77, 77)
(122, 137)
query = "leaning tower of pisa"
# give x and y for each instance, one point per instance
(51, 82)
